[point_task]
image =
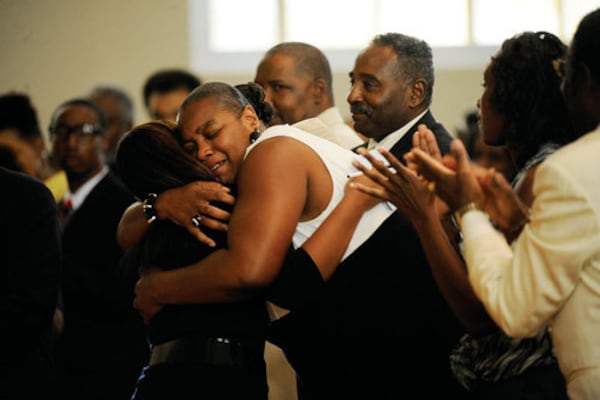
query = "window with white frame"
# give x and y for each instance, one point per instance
(232, 35)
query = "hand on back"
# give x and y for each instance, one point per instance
(182, 204)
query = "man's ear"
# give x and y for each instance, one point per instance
(418, 90)
(319, 90)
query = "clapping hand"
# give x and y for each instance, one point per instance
(401, 186)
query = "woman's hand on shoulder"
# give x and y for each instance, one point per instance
(360, 199)
(399, 185)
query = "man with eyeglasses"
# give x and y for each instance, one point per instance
(102, 347)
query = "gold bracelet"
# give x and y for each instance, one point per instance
(458, 214)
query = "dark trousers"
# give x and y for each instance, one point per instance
(185, 381)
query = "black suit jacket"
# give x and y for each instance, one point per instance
(102, 331)
(442, 136)
(404, 145)
(381, 327)
(29, 283)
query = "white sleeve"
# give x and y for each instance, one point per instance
(522, 286)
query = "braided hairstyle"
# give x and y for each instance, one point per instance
(256, 97)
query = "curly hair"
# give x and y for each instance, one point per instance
(256, 96)
(528, 71)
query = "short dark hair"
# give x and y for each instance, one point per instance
(80, 101)
(227, 96)
(17, 112)
(167, 80)
(308, 59)
(415, 58)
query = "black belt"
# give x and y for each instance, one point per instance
(208, 350)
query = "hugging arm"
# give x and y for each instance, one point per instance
(272, 191)
(306, 269)
(273, 185)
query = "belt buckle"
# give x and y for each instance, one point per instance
(221, 351)
(214, 350)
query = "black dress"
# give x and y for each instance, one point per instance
(196, 372)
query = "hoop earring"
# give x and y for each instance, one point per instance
(254, 136)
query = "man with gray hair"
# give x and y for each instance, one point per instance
(391, 92)
(118, 109)
(382, 326)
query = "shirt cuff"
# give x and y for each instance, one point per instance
(476, 223)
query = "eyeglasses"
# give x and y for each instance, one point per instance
(83, 132)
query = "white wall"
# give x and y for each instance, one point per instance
(57, 49)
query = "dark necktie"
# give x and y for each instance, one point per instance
(368, 145)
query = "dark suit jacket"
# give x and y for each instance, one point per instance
(29, 282)
(404, 145)
(442, 136)
(382, 328)
(103, 334)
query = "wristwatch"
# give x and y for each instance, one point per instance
(148, 207)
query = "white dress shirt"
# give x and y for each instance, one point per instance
(346, 136)
(331, 126)
(390, 140)
(79, 196)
